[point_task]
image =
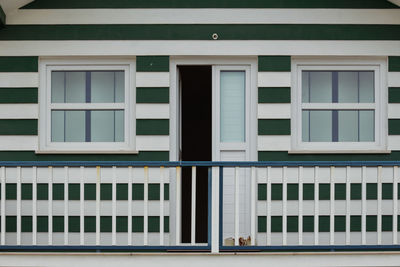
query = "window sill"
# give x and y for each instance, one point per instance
(339, 151)
(86, 152)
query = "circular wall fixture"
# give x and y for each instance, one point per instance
(215, 36)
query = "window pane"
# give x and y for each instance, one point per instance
(348, 125)
(57, 126)
(119, 86)
(106, 127)
(320, 126)
(75, 84)
(232, 85)
(348, 87)
(107, 86)
(75, 126)
(305, 78)
(367, 85)
(320, 87)
(57, 87)
(306, 125)
(367, 126)
(119, 126)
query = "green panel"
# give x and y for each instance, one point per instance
(201, 32)
(387, 191)
(394, 63)
(394, 126)
(372, 191)
(308, 191)
(18, 64)
(2, 17)
(276, 191)
(273, 94)
(58, 224)
(324, 191)
(394, 94)
(152, 63)
(387, 223)
(262, 224)
(166, 191)
(50, 4)
(262, 192)
(26, 191)
(74, 191)
(274, 127)
(292, 225)
(105, 191)
(106, 224)
(355, 223)
(18, 127)
(11, 191)
(274, 63)
(90, 192)
(340, 191)
(58, 191)
(324, 223)
(152, 127)
(154, 224)
(137, 224)
(42, 225)
(308, 224)
(154, 191)
(276, 224)
(18, 95)
(166, 224)
(11, 224)
(42, 191)
(292, 191)
(26, 224)
(355, 191)
(122, 192)
(90, 224)
(340, 223)
(122, 224)
(74, 224)
(152, 94)
(137, 191)
(372, 223)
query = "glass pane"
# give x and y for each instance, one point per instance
(305, 125)
(119, 86)
(320, 87)
(232, 85)
(57, 126)
(320, 126)
(75, 84)
(119, 126)
(348, 125)
(305, 78)
(57, 87)
(348, 87)
(107, 86)
(367, 126)
(75, 126)
(367, 85)
(105, 127)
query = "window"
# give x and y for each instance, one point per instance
(86, 106)
(339, 105)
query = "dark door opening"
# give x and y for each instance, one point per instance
(196, 105)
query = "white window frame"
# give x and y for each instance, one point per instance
(379, 66)
(46, 66)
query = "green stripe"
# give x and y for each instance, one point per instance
(18, 127)
(18, 64)
(394, 63)
(152, 63)
(31, 156)
(152, 95)
(2, 17)
(394, 126)
(18, 95)
(201, 32)
(274, 63)
(273, 94)
(152, 127)
(54, 4)
(284, 156)
(394, 94)
(274, 127)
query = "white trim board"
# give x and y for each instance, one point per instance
(394, 111)
(19, 111)
(274, 79)
(152, 79)
(394, 79)
(152, 142)
(19, 79)
(274, 111)
(199, 48)
(273, 143)
(152, 111)
(204, 16)
(18, 142)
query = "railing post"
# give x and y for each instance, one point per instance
(214, 209)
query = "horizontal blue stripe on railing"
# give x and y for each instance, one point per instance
(103, 248)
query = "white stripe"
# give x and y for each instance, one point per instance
(394, 111)
(236, 206)
(98, 181)
(114, 206)
(146, 206)
(18, 142)
(332, 206)
(162, 175)
(300, 173)
(178, 206)
(19, 111)
(66, 204)
(152, 111)
(269, 180)
(199, 48)
(364, 205)
(152, 79)
(379, 208)
(19, 207)
(152, 142)
(50, 206)
(3, 205)
(274, 111)
(130, 179)
(284, 206)
(205, 16)
(394, 79)
(273, 143)
(394, 142)
(19, 79)
(348, 212)
(253, 216)
(395, 202)
(34, 205)
(274, 79)
(316, 205)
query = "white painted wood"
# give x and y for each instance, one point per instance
(152, 79)
(396, 2)
(253, 195)
(18, 142)
(196, 48)
(394, 142)
(236, 205)
(284, 206)
(50, 205)
(19, 111)
(19, 206)
(130, 181)
(152, 111)
(162, 177)
(269, 206)
(3, 204)
(273, 142)
(98, 181)
(34, 205)
(332, 206)
(379, 208)
(274, 79)
(273, 111)
(193, 209)
(316, 205)
(394, 111)
(178, 206)
(81, 206)
(394, 79)
(215, 210)
(11, 6)
(152, 142)
(66, 204)
(348, 201)
(395, 203)
(146, 207)
(363, 205)
(114, 206)
(19, 79)
(300, 180)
